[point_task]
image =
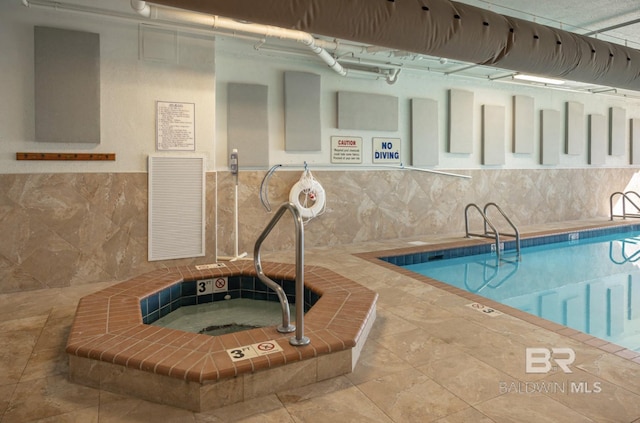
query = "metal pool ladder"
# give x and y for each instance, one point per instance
(493, 233)
(625, 258)
(490, 274)
(286, 326)
(625, 198)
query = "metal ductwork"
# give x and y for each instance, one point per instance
(443, 28)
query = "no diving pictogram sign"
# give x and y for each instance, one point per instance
(266, 346)
(210, 286)
(254, 350)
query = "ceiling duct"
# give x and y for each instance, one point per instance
(443, 28)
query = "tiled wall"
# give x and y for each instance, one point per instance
(59, 230)
(364, 206)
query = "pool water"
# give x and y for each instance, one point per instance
(591, 285)
(220, 317)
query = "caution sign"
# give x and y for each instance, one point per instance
(484, 309)
(346, 150)
(254, 350)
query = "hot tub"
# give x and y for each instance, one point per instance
(111, 347)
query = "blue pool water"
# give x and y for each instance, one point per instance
(591, 285)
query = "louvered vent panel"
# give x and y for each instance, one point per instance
(176, 207)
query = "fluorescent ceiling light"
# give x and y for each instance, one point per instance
(532, 78)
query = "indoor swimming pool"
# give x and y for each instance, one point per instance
(588, 281)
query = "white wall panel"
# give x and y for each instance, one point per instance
(302, 130)
(523, 124)
(493, 135)
(635, 141)
(597, 139)
(248, 123)
(67, 85)
(367, 111)
(575, 128)
(460, 119)
(617, 131)
(424, 132)
(551, 137)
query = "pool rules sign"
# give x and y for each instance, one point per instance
(386, 151)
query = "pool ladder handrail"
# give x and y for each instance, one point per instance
(632, 259)
(488, 279)
(625, 198)
(494, 233)
(286, 326)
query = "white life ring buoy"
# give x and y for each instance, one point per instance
(312, 190)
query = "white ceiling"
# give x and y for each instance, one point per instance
(615, 21)
(608, 20)
(579, 16)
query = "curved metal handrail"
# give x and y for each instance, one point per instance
(625, 198)
(515, 229)
(486, 220)
(633, 259)
(287, 327)
(487, 280)
(494, 233)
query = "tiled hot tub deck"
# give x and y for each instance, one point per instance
(110, 348)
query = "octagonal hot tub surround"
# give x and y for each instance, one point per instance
(111, 348)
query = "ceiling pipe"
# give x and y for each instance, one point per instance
(203, 22)
(612, 27)
(444, 28)
(268, 31)
(217, 22)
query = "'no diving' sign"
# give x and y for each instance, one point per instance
(253, 350)
(386, 150)
(211, 286)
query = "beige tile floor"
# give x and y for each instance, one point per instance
(429, 358)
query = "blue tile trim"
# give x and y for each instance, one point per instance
(184, 294)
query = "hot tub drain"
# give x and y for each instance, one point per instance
(226, 328)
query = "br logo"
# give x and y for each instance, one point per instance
(543, 360)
